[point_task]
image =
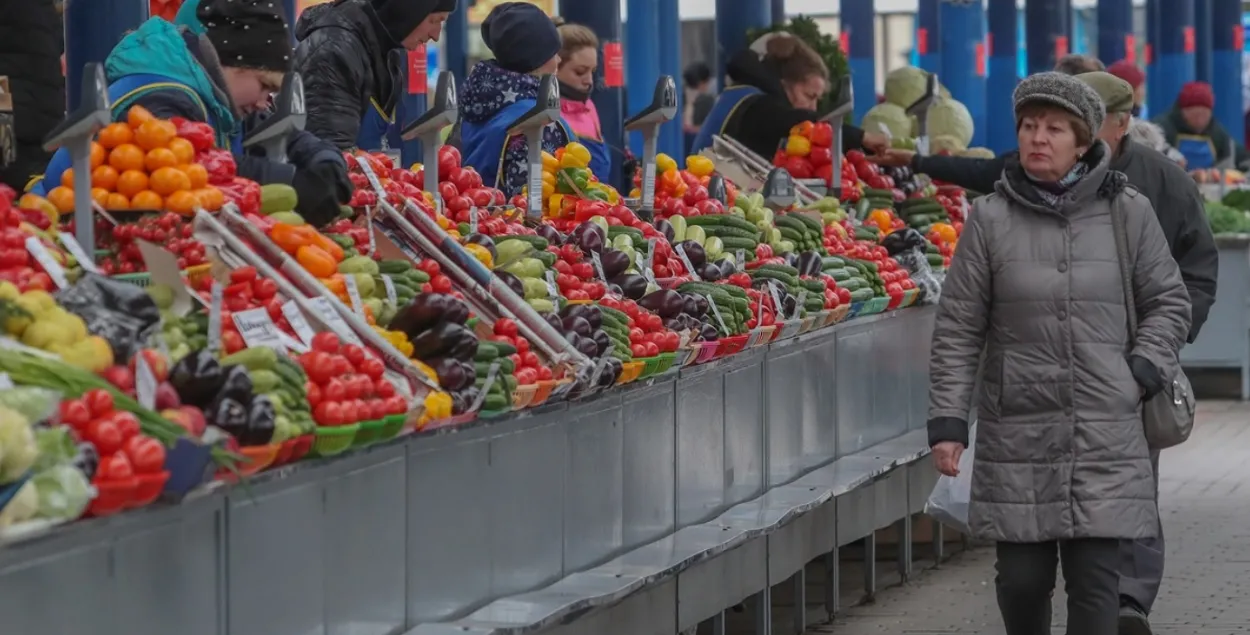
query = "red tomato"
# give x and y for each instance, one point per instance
(522, 344)
(243, 274)
(127, 424)
(396, 405)
(231, 341)
(672, 341)
(340, 365)
(544, 373)
(115, 467)
(325, 342)
(354, 354)
(264, 288)
(373, 368)
(146, 454)
(506, 327)
(334, 390)
(313, 392)
(104, 435)
(350, 414)
(320, 368)
(377, 407)
(441, 284)
(383, 388)
(75, 413)
(328, 413)
(650, 349)
(529, 359)
(99, 402)
(526, 376)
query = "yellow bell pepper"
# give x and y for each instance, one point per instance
(576, 155)
(700, 166)
(664, 163)
(438, 405)
(797, 146)
(550, 163)
(482, 254)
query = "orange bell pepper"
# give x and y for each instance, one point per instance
(290, 238)
(335, 284)
(316, 261)
(320, 240)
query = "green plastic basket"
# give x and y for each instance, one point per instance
(332, 440)
(392, 426)
(650, 366)
(370, 432)
(666, 362)
(875, 305)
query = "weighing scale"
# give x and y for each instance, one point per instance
(920, 110)
(531, 125)
(444, 110)
(662, 110)
(75, 134)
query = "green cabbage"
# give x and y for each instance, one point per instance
(63, 492)
(946, 143)
(893, 117)
(950, 118)
(17, 445)
(978, 153)
(903, 86)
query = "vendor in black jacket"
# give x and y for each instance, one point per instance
(1171, 191)
(351, 54)
(770, 94)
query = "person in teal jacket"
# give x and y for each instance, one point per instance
(221, 68)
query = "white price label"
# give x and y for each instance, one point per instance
(353, 292)
(45, 260)
(79, 254)
(473, 219)
(716, 313)
(258, 329)
(214, 318)
(145, 383)
(392, 295)
(648, 265)
(685, 261)
(291, 343)
(553, 289)
(535, 194)
(373, 240)
(648, 184)
(598, 263)
(778, 308)
(371, 176)
(332, 319)
(6, 383)
(485, 389)
(295, 317)
(597, 374)
(798, 304)
(740, 260)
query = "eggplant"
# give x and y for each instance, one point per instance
(610, 373)
(701, 306)
(457, 311)
(553, 320)
(588, 237)
(86, 460)
(708, 272)
(614, 289)
(237, 384)
(665, 302)
(614, 263)
(485, 241)
(585, 345)
(674, 324)
(453, 374)
(512, 281)
(422, 314)
(230, 415)
(665, 228)
(261, 420)
(789, 304)
(460, 401)
(903, 240)
(589, 312)
(602, 340)
(727, 268)
(577, 324)
(809, 264)
(197, 378)
(550, 234)
(633, 286)
(694, 252)
(792, 259)
(446, 339)
(708, 333)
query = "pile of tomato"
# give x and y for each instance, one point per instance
(346, 383)
(130, 462)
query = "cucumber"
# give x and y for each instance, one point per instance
(635, 235)
(537, 242)
(485, 353)
(725, 231)
(392, 266)
(786, 269)
(613, 314)
(495, 403)
(813, 285)
(838, 274)
(936, 260)
(734, 243)
(722, 220)
(853, 284)
(862, 295)
(813, 225)
(793, 235)
(546, 257)
(832, 262)
(788, 280)
(874, 192)
(417, 276)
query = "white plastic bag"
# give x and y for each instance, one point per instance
(948, 503)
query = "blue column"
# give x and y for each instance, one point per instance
(1227, 40)
(1000, 129)
(1202, 40)
(672, 139)
(642, 59)
(411, 105)
(92, 29)
(1047, 30)
(456, 41)
(604, 18)
(1174, 61)
(291, 8)
(859, 28)
(1152, 54)
(733, 19)
(963, 32)
(928, 36)
(779, 11)
(1115, 26)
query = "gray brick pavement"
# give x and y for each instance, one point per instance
(1205, 501)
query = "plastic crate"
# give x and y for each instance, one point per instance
(143, 278)
(731, 345)
(875, 305)
(667, 361)
(392, 426)
(368, 433)
(523, 396)
(332, 440)
(630, 372)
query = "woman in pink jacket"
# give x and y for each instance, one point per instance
(579, 57)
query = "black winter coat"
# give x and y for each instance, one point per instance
(31, 43)
(346, 61)
(1171, 192)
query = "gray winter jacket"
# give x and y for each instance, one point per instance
(1060, 451)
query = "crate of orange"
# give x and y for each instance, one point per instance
(141, 164)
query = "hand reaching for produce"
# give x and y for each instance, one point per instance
(893, 158)
(876, 143)
(946, 457)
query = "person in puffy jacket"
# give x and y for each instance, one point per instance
(526, 45)
(31, 43)
(1062, 471)
(1193, 130)
(351, 54)
(579, 56)
(220, 78)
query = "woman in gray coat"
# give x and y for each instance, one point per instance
(1062, 471)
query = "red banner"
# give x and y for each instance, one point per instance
(989, 45)
(1239, 38)
(1148, 54)
(1189, 39)
(613, 65)
(417, 78)
(1130, 48)
(922, 41)
(844, 40)
(980, 57)
(1061, 46)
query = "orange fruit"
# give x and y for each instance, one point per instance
(154, 134)
(115, 134)
(147, 199)
(97, 155)
(67, 178)
(183, 150)
(211, 198)
(117, 202)
(63, 198)
(104, 177)
(127, 156)
(182, 202)
(137, 116)
(159, 158)
(100, 196)
(166, 181)
(132, 182)
(197, 173)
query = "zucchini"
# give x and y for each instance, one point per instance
(724, 231)
(734, 243)
(537, 242)
(786, 269)
(862, 295)
(392, 266)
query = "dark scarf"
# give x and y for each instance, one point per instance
(573, 94)
(1051, 191)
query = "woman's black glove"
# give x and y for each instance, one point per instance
(1146, 375)
(334, 173)
(318, 201)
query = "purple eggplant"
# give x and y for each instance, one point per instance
(602, 340)
(585, 345)
(792, 259)
(512, 281)
(553, 320)
(708, 333)
(665, 228)
(614, 262)
(446, 339)
(694, 251)
(453, 374)
(590, 312)
(633, 286)
(809, 264)
(611, 372)
(425, 311)
(588, 237)
(576, 324)
(708, 271)
(550, 234)
(665, 302)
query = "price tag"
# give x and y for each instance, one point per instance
(214, 318)
(758, 331)
(373, 240)
(648, 183)
(648, 267)
(353, 292)
(145, 383)
(45, 260)
(798, 304)
(473, 219)
(740, 260)
(685, 261)
(724, 328)
(373, 178)
(553, 289)
(295, 317)
(16, 346)
(482, 392)
(76, 250)
(535, 193)
(598, 262)
(391, 295)
(922, 145)
(332, 319)
(6, 383)
(258, 329)
(778, 307)
(291, 343)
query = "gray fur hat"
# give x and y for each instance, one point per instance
(1062, 91)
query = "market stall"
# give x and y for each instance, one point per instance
(1224, 342)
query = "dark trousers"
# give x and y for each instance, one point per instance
(1026, 578)
(1141, 564)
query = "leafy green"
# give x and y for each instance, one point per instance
(829, 49)
(1239, 199)
(1225, 219)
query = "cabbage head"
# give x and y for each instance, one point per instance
(945, 143)
(903, 86)
(950, 118)
(978, 153)
(893, 117)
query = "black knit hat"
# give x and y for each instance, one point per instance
(402, 17)
(248, 33)
(521, 36)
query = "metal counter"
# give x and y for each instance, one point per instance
(433, 526)
(1224, 341)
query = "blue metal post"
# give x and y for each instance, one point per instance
(928, 36)
(1047, 32)
(1174, 53)
(604, 18)
(291, 9)
(456, 41)
(1151, 56)
(411, 105)
(1202, 41)
(858, 29)
(1000, 129)
(779, 11)
(642, 59)
(963, 34)
(92, 29)
(1115, 29)
(1227, 41)
(733, 19)
(672, 138)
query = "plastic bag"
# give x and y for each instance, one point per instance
(121, 313)
(916, 262)
(948, 504)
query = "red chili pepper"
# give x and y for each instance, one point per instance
(200, 134)
(220, 165)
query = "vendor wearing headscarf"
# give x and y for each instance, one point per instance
(526, 45)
